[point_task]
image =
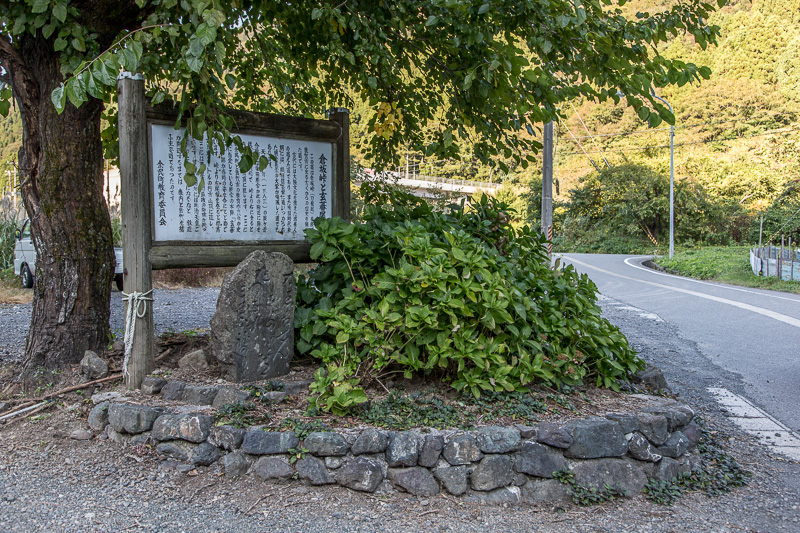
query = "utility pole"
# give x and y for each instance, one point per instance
(547, 185)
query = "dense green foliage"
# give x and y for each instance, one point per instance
(458, 293)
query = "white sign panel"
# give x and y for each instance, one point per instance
(275, 204)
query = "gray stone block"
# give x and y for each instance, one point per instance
(546, 490)
(200, 394)
(205, 454)
(260, 442)
(553, 435)
(98, 416)
(92, 367)
(538, 460)
(273, 468)
(668, 469)
(651, 377)
(152, 385)
(252, 331)
(677, 444)
(236, 464)
(313, 470)
(494, 439)
(195, 360)
(677, 415)
(640, 448)
(131, 419)
(403, 449)
(453, 479)
(526, 432)
(293, 388)
(334, 462)
(415, 480)
(492, 472)
(230, 395)
(173, 390)
(654, 427)
(504, 495)
(461, 450)
(226, 437)
(191, 427)
(370, 441)
(596, 437)
(693, 434)
(325, 444)
(598, 473)
(627, 421)
(432, 446)
(361, 473)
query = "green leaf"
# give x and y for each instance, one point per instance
(76, 92)
(245, 163)
(59, 98)
(40, 6)
(190, 167)
(59, 44)
(644, 113)
(60, 12)
(5, 106)
(484, 8)
(78, 44)
(190, 179)
(433, 19)
(230, 81)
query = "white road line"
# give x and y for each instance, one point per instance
(758, 423)
(717, 285)
(780, 317)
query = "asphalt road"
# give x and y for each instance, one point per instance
(753, 334)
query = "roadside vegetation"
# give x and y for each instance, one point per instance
(459, 294)
(724, 264)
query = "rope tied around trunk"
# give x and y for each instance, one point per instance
(137, 307)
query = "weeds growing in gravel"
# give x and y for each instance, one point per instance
(718, 474)
(585, 496)
(239, 415)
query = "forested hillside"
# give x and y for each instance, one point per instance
(737, 144)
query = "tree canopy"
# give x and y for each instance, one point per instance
(485, 69)
(436, 73)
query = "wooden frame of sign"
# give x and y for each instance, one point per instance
(166, 224)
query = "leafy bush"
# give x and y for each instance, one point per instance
(456, 293)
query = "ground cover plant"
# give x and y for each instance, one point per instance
(727, 264)
(458, 293)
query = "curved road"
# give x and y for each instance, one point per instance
(750, 332)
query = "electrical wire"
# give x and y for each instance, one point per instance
(581, 147)
(590, 135)
(652, 147)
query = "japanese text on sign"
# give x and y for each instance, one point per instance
(275, 204)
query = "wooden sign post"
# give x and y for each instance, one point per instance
(167, 224)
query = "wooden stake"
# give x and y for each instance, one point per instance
(137, 205)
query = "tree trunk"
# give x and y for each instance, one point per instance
(61, 172)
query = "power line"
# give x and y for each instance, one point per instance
(590, 135)
(651, 147)
(681, 127)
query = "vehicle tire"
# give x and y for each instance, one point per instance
(118, 281)
(26, 277)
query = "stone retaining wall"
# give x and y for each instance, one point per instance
(490, 464)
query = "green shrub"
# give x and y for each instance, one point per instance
(458, 293)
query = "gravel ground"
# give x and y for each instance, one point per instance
(174, 310)
(51, 483)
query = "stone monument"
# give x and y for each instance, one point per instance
(252, 331)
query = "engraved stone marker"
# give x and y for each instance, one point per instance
(252, 331)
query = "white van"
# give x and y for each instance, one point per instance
(25, 258)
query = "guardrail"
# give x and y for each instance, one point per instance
(776, 261)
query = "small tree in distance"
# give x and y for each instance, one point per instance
(486, 69)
